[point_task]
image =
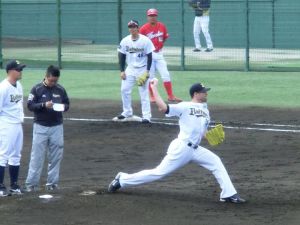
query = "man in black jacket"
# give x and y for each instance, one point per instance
(201, 23)
(48, 100)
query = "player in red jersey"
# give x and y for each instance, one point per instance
(158, 34)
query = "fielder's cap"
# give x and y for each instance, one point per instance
(133, 23)
(15, 65)
(198, 87)
(152, 12)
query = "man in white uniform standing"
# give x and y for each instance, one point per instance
(136, 50)
(11, 131)
(193, 121)
(201, 23)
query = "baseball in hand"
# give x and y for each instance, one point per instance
(154, 81)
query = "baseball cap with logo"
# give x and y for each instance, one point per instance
(198, 87)
(152, 12)
(15, 65)
(133, 23)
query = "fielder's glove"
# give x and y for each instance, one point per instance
(141, 80)
(216, 135)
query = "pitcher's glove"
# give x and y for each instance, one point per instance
(141, 80)
(215, 136)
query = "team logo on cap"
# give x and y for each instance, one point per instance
(18, 62)
(133, 23)
(152, 12)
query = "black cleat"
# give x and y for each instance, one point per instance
(15, 190)
(114, 185)
(233, 199)
(145, 121)
(196, 50)
(51, 187)
(209, 50)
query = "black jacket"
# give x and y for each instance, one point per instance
(37, 98)
(200, 6)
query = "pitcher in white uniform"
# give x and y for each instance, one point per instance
(193, 122)
(11, 131)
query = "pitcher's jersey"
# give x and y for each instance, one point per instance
(193, 120)
(136, 50)
(11, 102)
(157, 34)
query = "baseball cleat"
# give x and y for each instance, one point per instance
(29, 188)
(122, 118)
(196, 50)
(114, 185)
(145, 121)
(233, 199)
(3, 191)
(51, 187)
(174, 99)
(15, 190)
(209, 50)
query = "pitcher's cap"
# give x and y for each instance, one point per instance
(198, 87)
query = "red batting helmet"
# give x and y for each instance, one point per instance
(152, 12)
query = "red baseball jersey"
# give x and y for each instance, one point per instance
(157, 34)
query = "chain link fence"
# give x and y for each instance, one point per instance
(259, 35)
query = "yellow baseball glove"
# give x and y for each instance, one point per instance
(215, 136)
(141, 80)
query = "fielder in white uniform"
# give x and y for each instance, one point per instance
(201, 23)
(11, 132)
(136, 49)
(193, 121)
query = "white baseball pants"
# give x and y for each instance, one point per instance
(126, 88)
(178, 155)
(11, 143)
(159, 64)
(201, 23)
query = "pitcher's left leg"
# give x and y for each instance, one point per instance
(213, 163)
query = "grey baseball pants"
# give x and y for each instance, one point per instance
(48, 140)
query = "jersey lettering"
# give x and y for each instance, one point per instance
(197, 112)
(15, 98)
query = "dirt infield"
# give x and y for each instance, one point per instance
(264, 167)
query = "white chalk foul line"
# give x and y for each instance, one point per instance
(175, 123)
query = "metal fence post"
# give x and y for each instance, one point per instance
(273, 24)
(120, 12)
(1, 56)
(247, 44)
(58, 13)
(182, 59)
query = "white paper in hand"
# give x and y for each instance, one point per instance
(58, 107)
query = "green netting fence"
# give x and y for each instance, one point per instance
(259, 35)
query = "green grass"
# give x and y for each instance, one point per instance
(270, 89)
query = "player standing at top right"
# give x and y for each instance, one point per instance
(201, 23)
(158, 34)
